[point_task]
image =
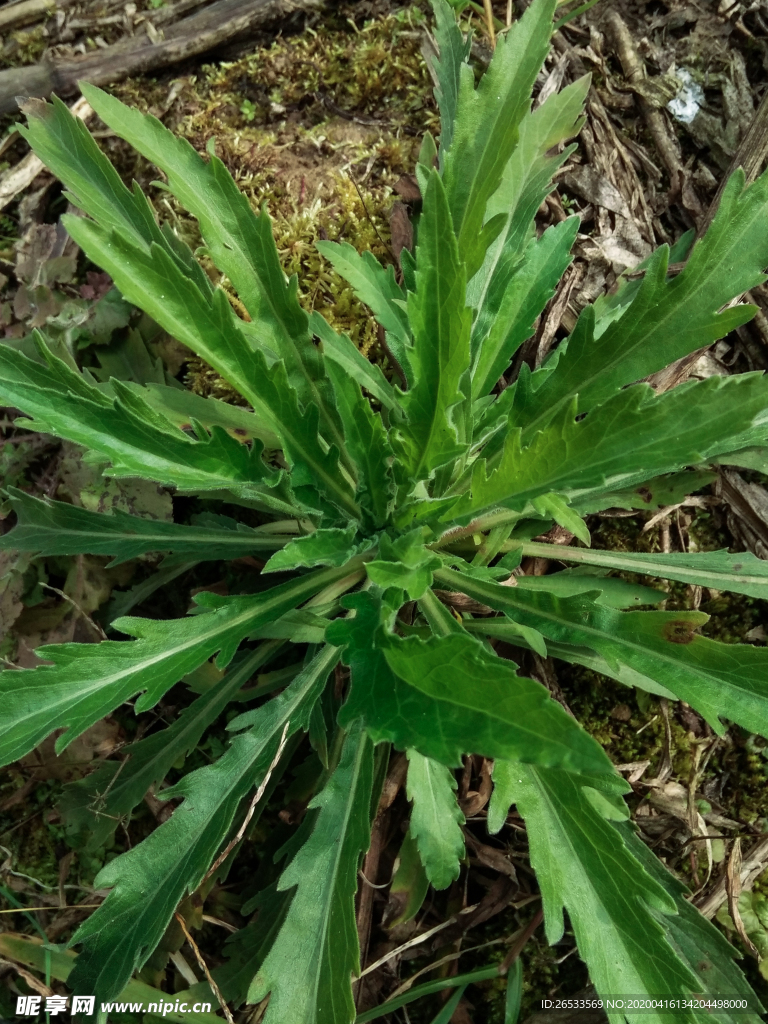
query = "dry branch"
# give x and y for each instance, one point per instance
(27, 12)
(221, 22)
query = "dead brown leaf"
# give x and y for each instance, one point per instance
(733, 888)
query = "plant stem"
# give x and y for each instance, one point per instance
(559, 551)
(424, 990)
(437, 615)
(481, 525)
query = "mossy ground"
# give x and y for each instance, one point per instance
(318, 127)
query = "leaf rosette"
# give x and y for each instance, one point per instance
(395, 515)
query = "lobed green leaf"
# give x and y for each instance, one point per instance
(610, 591)
(56, 528)
(87, 681)
(93, 807)
(424, 694)
(65, 145)
(696, 940)
(135, 438)
(247, 948)
(718, 680)
(436, 818)
(310, 965)
(330, 546)
(436, 432)
(741, 573)
(631, 437)
(404, 564)
(509, 311)
(152, 281)
(376, 286)
(150, 880)
(453, 51)
(583, 867)
(183, 408)
(342, 351)
(486, 128)
(671, 489)
(239, 241)
(368, 443)
(526, 182)
(667, 318)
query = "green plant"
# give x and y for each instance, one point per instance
(248, 110)
(382, 505)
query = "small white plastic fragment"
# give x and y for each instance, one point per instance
(686, 105)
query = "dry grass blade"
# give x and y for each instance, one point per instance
(519, 945)
(256, 797)
(34, 983)
(752, 865)
(733, 887)
(29, 910)
(489, 23)
(80, 611)
(416, 941)
(204, 968)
